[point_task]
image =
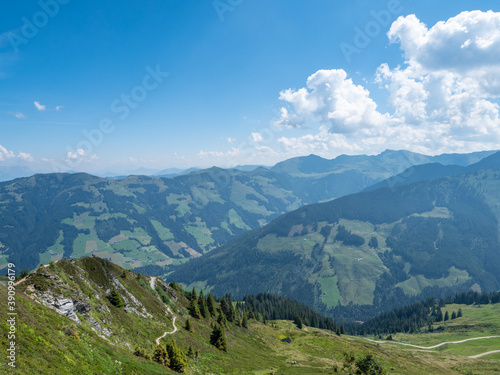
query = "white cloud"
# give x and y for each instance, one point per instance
(5, 154)
(17, 115)
(59, 107)
(8, 154)
(451, 78)
(39, 106)
(25, 157)
(231, 140)
(444, 97)
(75, 155)
(257, 137)
(333, 99)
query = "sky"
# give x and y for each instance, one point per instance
(113, 86)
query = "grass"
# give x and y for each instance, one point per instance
(416, 284)
(164, 233)
(330, 290)
(477, 321)
(45, 348)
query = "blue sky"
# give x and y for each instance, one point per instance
(68, 67)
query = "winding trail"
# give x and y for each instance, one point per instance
(483, 354)
(152, 281)
(441, 344)
(152, 284)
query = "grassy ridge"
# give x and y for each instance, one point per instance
(45, 347)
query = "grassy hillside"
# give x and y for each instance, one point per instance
(376, 250)
(48, 342)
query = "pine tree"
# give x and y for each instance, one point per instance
(193, 309)
(342, 330)
(115, 299)
(211, 304)
(446, 316)
(298, 322)
(221, 318)
(188, 326)
(202, 304)
(193, 297)
(218, 338)
(178, 360)
(244, 322)
(190, 352)
(227, 308)
(161, 356)
(453, 315)
(459, 314)
(439, 315)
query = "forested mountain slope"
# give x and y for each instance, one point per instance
(368, 252)
(152, 222)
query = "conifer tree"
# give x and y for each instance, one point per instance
(193, 297)
(459, 314)
(342, 329)
(446, 316)
(244, 322)
(190, 352)
(211, 304)
(188, 326)
(202, 304)
(193, 309)
(178, 360)
(115, 299)
(298, 322)
(221, 318)
(161, 356)
(453, 315)
(218, 338)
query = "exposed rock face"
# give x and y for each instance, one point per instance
(63, 306)
(83, 308)
(66, 307)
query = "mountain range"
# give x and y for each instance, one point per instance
(142, 221)
(364, 253)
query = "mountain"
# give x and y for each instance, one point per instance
(418, 173)
(90, 316)
(436, 170)
(368, 252)
(152, 222)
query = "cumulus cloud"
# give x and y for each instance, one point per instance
(468, 42)
(331, 98)
(26, 156)
(75, 155)
(5, 154)
(9, 155)
(443, 98)
(257, 137)
(39, 106)
(451, 78)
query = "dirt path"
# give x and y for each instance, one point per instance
(24, 278)
(152, 281)
(483, 354)
(166, 332)
(434, 346)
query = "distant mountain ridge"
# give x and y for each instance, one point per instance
(141, 221)
(367, 252)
